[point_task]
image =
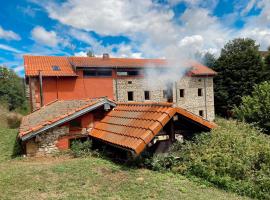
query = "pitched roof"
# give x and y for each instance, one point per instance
(50, 115)
(134, 125)
(34, 64)
(116, 62)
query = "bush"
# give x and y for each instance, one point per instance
(256, 107)
(235, 156)
(81, 148)
(14, 120)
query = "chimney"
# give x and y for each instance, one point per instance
(106, 56)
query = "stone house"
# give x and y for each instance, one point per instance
(53, 78)
(54, 126)
(133, 127)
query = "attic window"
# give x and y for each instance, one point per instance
(56, 68)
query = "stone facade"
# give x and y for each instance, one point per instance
(200, 105)
(46, 143)
(34, 93)
(137, 86)
(191, 100)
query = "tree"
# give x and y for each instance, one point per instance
(11, 89)
(90, 53)
(255, 108)
(239, 68)
(267, 65)
(209, 60)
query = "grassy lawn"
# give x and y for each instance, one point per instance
(90, 178)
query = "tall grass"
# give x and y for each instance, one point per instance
(235, 157)
(9, 119)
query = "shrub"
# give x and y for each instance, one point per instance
(14, 120)
(256, 107)
(235, 156)
(81, 148)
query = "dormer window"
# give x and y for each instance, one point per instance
(56, 68)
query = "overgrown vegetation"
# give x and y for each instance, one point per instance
(12, 93)
(255, 108)
(90, 178)
(235, 157)
(81, 148)
(9, 119)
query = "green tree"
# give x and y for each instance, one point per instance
(255, 108)
(239, 67)
(267, 65)
(209, 60)
(11, 89)
(90, 53)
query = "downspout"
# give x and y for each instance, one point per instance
(205, 98)
(41, 88)
(116, 84)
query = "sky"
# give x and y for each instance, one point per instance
(127, 28)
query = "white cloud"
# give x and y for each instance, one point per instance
(153, 29)
(19, 69)
(8, 35)
(42, 36)
(9, 48)
(81, 54)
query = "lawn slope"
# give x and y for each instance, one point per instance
(90, 178)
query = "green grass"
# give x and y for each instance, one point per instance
(7, 143)
(90, 178)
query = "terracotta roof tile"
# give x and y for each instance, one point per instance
(134, 125)
(34, 64)
(53, 112)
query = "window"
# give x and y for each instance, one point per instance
(104, 72)
(129, 73)
(130, 96)
(89, 73)
(146, 95)
(97, 72)
(75, 125)
(200, 92)
(129, 82)
(56, 68)
(201, 113)
(182, 92)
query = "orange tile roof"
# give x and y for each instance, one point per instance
(116, 62)
(34, 64)
(134, 125)
(54, 112)
(201, 70)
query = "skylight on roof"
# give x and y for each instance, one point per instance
(56, 68)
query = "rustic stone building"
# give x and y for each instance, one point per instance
(134, 127)
(54, 126)
(121, 79)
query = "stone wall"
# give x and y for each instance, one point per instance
(137, 86)
(34, 88)
(191, 101)
(47, 141)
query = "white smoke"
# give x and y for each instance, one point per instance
(179, 58)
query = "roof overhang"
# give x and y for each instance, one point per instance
(104, 103)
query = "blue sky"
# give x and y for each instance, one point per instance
(127, 28)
